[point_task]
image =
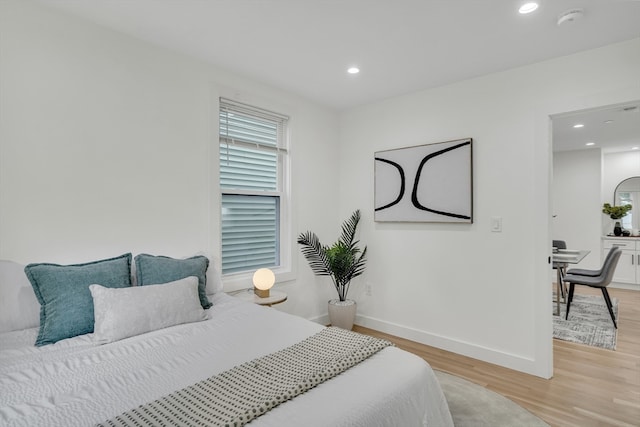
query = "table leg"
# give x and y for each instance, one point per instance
(558, 284)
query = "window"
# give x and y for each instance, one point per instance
(253, 168)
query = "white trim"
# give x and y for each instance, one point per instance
(629, 286)
(252, 109)
(257, 146)
(287, 270)
(508, 360)
(214, 194)
(322, 319)
(243, 192)
(542, 271)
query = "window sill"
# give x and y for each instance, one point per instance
(236, 281)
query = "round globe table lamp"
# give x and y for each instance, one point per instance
(263, 280)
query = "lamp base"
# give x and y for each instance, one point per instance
(261, 293)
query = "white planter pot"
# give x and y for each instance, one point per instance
(342, 313)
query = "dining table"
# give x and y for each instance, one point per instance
(565, 256)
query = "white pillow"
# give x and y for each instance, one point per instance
(125, 312)
(19, 307)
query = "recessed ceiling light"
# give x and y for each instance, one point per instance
(578, 125)
(353, 70)
(590, 143)
(528, 7)
(608, 121)
(636, 148)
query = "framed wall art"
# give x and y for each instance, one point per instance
(425, 183)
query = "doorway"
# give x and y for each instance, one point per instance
(593, 150)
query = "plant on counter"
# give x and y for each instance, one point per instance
(615, 212)
(342, 261)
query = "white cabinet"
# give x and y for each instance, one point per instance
(628, 269)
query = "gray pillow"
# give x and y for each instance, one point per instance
(66, 305)
(155, 270)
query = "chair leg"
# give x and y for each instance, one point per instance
(607, 299)
(572, 287)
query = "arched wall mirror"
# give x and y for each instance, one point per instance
(628, 192)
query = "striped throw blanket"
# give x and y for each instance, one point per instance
(239, 395)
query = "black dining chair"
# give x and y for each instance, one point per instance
(601, 281)
(593, 273)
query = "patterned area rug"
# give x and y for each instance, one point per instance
(589, 322)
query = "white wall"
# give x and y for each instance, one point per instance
(108, 145)
(462, 287)
(576, 202)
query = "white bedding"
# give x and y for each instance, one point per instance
(78, 383)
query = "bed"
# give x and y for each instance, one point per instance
(77, 382)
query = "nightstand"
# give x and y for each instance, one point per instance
(275, 297)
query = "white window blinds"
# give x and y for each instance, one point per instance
(252, 147)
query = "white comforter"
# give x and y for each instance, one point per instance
(77, 383)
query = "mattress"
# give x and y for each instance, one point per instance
(78, 383)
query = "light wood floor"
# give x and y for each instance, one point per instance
(590, 386)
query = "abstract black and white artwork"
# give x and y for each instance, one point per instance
(425, 183)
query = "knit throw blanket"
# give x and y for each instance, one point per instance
(235, 397)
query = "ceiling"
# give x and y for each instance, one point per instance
(401, 46)
(612, 129)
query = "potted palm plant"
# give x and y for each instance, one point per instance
(341, 261)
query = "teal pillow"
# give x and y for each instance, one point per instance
(66, 305)
(154, 270)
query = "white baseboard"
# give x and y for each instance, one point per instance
(323, 320)
(630, 286)
(507, 360)
(501, 358)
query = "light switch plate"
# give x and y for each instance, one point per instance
(496, 224)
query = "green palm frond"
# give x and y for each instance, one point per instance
(349, 228)
(342, 261)
(315, 253)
